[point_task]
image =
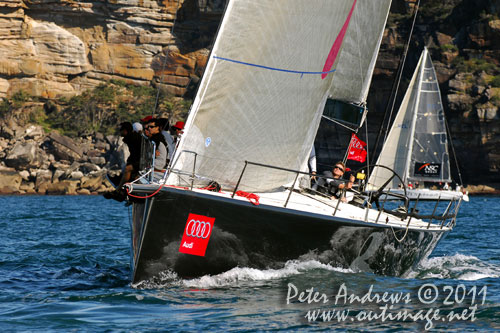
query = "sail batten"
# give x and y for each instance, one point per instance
(264, 88)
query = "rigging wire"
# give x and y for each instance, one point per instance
(402, 66)
(367, 156)
(397, 83)
(164, 64)
(453, 150)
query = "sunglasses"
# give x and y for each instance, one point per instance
(337, 167)
(148, 127)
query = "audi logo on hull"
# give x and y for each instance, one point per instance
(197, 234)
(198, 229)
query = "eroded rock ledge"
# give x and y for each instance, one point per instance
(60, 48)
(33, 162)
(39, 163)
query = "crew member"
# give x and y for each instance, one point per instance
(331, 182)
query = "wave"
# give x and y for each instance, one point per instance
(458, 267)
(237, 275)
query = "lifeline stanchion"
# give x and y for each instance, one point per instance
(194, 169)
(446, 212)
(434, 211)
(239, 179)
(336, 207)
(291, 189)
(383, 205)
(413, 210)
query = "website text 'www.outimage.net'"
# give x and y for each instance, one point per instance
(428, 304)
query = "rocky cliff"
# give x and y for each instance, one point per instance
(55, 48)
(34, 162)
(60, 48)
(463, 39)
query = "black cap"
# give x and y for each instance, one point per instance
(126, 126)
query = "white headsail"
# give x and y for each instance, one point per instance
(361, 46)
(417, 147)
(266, 82)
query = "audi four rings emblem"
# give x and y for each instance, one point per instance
(198, 229)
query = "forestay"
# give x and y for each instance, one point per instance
(417, 147)
(265, 85)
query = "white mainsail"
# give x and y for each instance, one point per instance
(416, 147)
(265, 85)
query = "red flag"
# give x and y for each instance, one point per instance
(357, 151)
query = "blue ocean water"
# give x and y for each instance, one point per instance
(64, 265)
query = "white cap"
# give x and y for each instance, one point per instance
(137, 127)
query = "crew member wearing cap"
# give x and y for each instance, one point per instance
(146, 119)
(332, 183)
(178, 128)
(137, 127)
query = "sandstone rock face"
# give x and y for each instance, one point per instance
(43, 179)
(463, 42)
(34, 132)
(92, 183)
(9, 182)
(64, 148)
(63, 187)
(23, 156)
(60, 48)
(26, 167)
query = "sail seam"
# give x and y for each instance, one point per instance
(273, 68)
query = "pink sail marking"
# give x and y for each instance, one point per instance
(334, 51)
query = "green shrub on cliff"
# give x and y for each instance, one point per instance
(437, 10)
(473, 65)
(4, 107)
(448, 48)
(495, 81)
(107, 105)
(100, 109)
(104, 93)
(19, 98)
(90, 112)
(39, 117)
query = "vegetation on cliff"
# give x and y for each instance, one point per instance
(462, 37)
(94, 111)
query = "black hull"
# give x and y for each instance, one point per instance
(262, 236)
